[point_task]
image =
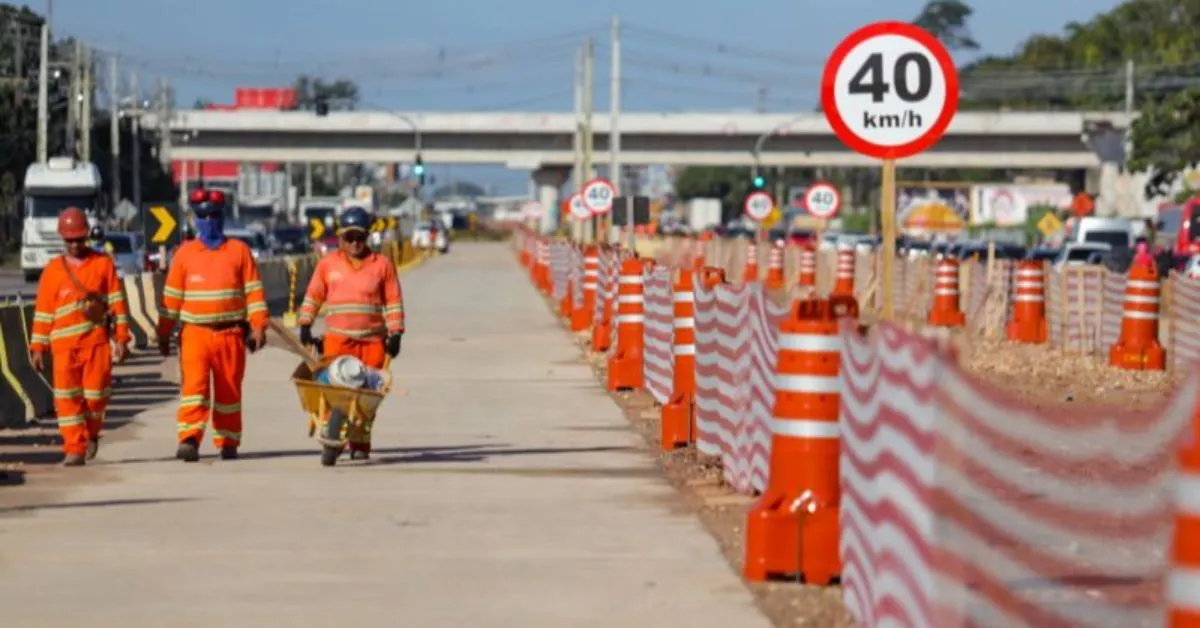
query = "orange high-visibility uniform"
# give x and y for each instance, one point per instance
(215, 294)
(80, 350)
(362, 303)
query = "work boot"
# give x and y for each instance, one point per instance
(189, 451)
(74, 460)
(93, 447)
(358, 454)
(229, 452)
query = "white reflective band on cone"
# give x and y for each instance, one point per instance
(1187, 494)
(630, 279)
(630, 318)
(1183, 589)
(685, 349)
(812, 343)
(630, 298)
(806, 384)
(805, 428)
(684, 297)
(684, 322)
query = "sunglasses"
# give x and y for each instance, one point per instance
(354, 236)
(75, 240)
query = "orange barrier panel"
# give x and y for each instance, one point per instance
(792, 530)
(808, 267)
(678, 425)
(581, 318)
(542, 268)
(625, 366)
(1137, 349)
(750, 270)
(1183, 580)
(1029, 304)
(844, 286)
(946, 311)
(775, 268)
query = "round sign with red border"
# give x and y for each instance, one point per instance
(599, 195)
(889, 90)
(578, 209)
(822, 200)
(758, 206)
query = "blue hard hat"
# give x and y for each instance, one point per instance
(354, 218)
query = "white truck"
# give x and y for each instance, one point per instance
(49, 188)
(262, 211)
(703, 213)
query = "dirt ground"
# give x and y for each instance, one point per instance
(1048, 378)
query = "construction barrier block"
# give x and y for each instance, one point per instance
(33, 386)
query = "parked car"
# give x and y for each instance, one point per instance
(427, 234)
(128, 253)
(289, 240)
(1082, 253)
(256, 240)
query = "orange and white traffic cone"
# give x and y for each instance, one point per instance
(946, 311)
(677, 419)
(1028, 323)
(1183, 579)
(792, 530)
(581, 318)
(750, 270)
(775, 268)
(543, 266)
(625, 370)
(844, 286)
(1138, 349)
(808, 267)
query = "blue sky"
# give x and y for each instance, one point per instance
(515, 55)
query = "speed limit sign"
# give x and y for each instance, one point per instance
(822, 200)
(579, 210)
(598, 195)
(758, 206)
(889, 90)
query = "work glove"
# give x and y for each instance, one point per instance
(258, 340)
(306, 337)
(393, 345)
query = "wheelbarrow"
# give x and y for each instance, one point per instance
(350, 411)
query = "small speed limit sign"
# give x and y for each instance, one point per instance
(822, 201)
(598, 195)
(889, 90)
(579, 210)
(758, 206)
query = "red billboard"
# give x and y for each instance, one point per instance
(271, 98)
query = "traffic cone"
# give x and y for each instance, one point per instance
(808, 267)
(946, 311)
(1138, 348)
(1028, 323)
(844, 286)
(792, 529)
(750, 270)
(581, 318)
(625, 366)
(775, 268)
(678, 420)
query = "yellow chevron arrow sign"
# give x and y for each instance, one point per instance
(166, 224)
(316, 229)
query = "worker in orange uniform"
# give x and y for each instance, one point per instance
(79, 295)
(359, 293)
(214, 290)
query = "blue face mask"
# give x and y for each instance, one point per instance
(210, 230)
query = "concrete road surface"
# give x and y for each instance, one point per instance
(505, 490)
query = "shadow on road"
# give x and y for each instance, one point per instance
(480, 454)
(107, 503)
(138, 385)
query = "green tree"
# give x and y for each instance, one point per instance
(340, 94)
(1166, 139)
(947, 20)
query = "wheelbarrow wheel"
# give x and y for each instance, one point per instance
(329, 455)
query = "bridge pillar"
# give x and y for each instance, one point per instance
(549, 180)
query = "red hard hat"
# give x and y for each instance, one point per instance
(73, 224)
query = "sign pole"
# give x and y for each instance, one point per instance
(887, 245)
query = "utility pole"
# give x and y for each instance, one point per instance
(577, 144)
(164, 125)
(86, 103)
(762, 99)
(43, 103)
(614, 127)
(136, 135)
(73, 102)
(114, 129)
(589, 136)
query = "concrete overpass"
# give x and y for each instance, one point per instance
(542, 142)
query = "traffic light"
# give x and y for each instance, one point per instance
(322, 107)
(760, 182)
(419, 170)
